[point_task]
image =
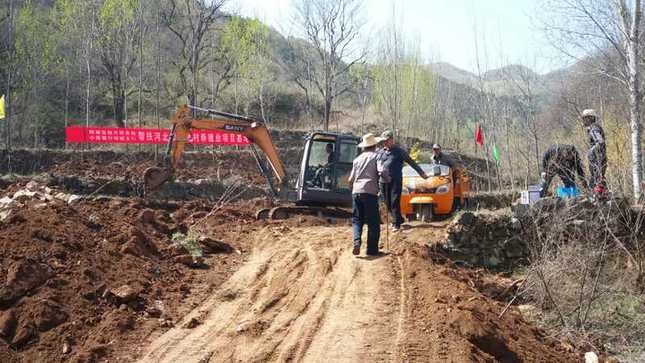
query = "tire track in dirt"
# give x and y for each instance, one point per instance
(402, 307)
(302, 297)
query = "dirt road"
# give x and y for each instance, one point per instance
(302, 296)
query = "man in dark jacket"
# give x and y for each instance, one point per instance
(439, 158)
(563, 161)
(597, 153)
(392, 157)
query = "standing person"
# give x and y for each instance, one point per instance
(439, 158)
(597, 153)
(364, 179)
(392, 156)
(565, 162)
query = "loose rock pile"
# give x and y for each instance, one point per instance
(501, 238)
(32, 191)
(485, 239)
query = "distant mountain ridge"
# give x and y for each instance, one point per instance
(501, 81)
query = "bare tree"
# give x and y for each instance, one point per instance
(8, 76)
(605, 35)
(332, 26)
(525, 83)
(190, 21)
(117, 44)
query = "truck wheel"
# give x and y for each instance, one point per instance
(424, 213)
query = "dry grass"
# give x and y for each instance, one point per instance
(586, 275)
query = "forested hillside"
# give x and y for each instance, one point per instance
(112, 250)
(130, 62)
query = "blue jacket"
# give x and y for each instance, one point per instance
(393, 159)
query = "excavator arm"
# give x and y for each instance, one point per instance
(183, 123)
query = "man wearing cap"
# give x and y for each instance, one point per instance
(439, 158)
(392, 157)
(597, 153)
(364, 179)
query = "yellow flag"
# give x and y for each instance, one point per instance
(2, 107)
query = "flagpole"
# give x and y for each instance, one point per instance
(479, 139)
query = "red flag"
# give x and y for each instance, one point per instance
(479, 136)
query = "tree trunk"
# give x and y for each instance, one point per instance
(328, 102)
(66, 98)
(633, 56)
(636, 150)
(508, 155)
(261, 99)
(119, 107)
(140, 96)
(158, 78)
(8, 100)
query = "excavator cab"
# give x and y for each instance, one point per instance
(324, 171)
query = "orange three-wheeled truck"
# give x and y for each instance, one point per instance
(441, 194)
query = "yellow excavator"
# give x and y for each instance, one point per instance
(321, 189)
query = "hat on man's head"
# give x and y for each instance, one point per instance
(369, 140)
(387, 135)
(436, 147)
(589, 113)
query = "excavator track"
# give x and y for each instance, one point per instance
(285, 212)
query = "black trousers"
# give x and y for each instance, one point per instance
(392, 196)
(365, 211)
(597, 167)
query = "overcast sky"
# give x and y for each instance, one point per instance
(445, 28)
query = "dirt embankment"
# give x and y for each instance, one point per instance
(82, 279)
(81, 170)
(303, 297)
(204, 175)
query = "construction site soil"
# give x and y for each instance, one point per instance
(82, 280)
(103, 278)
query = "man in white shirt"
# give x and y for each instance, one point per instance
(364, 179)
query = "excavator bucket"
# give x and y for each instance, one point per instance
(154, 177)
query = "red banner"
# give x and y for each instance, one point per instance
(115, 135)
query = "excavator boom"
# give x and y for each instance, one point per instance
(183, 122)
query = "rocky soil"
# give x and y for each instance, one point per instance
(83, 278)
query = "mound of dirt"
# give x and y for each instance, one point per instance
(464, 324)
(217, 165)
(80, 279)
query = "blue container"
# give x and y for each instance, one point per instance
(567, 192)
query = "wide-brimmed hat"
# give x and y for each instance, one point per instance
(369, 140)
(589, 113)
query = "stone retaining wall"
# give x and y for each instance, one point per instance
(485, 238)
